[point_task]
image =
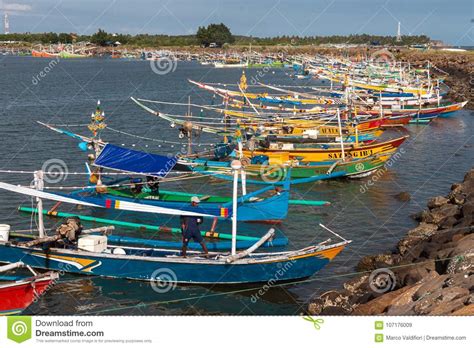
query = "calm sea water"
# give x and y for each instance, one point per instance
(66, 93)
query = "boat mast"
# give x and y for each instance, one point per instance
(236, 165)
(39, 185)
(190, 134)
(340, 133)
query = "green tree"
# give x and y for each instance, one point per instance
(217, 33)
(100, 38)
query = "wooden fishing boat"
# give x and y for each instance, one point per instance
(146, 264)
(143, 263)
(43, 54)
(287, 152)
(426, 112)
(251, 207)
(18, 292)
(249, 123)
(288, 99)
(271, 171)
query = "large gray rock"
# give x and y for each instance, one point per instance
(437, 215)
(423, 230)
(447, 308)
(407, 243)
(437, 202)
(357, 285)
(372, 262)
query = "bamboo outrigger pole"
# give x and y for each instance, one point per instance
(340, 134)
(39, 185)
(236, 167)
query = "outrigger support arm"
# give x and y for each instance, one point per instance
(270, 234)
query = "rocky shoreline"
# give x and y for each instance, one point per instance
(431, 271)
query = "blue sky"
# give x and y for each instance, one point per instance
(447, 20)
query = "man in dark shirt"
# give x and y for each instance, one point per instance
(190, 229)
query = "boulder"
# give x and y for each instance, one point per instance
(457, 198)
(446, 308)
(437, 202)
(357, 285)
(403, 196)
(437, 215)
(466, 310)
(464, 280)
(380, 304)
(430, 285)
(405, 244)
(411, 275)
(453, 293)
(372, 262)
(423, 230)
(404, 302)
(449, 222)
(316, 306)
(335, 310)
(426, 303)
(334, 298)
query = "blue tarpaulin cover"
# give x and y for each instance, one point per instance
(132, 161)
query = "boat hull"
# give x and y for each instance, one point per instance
(16, 297)
(315, 155)
(286, 267)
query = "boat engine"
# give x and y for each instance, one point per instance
(70, 229)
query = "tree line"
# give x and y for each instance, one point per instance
(218, 34)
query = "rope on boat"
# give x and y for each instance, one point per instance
(157, 140)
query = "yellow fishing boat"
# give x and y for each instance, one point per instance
(281, 153)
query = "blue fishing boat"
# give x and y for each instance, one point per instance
(92, 255)
(268, 204)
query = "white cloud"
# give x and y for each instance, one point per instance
(14, 7)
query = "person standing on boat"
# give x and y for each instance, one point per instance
(190, 229)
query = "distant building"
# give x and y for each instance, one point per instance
(399, 33)
(6, 24)
(437, 43)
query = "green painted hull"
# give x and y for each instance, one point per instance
(272, 173)
(266, 65)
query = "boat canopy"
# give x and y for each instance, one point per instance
(132, 161)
